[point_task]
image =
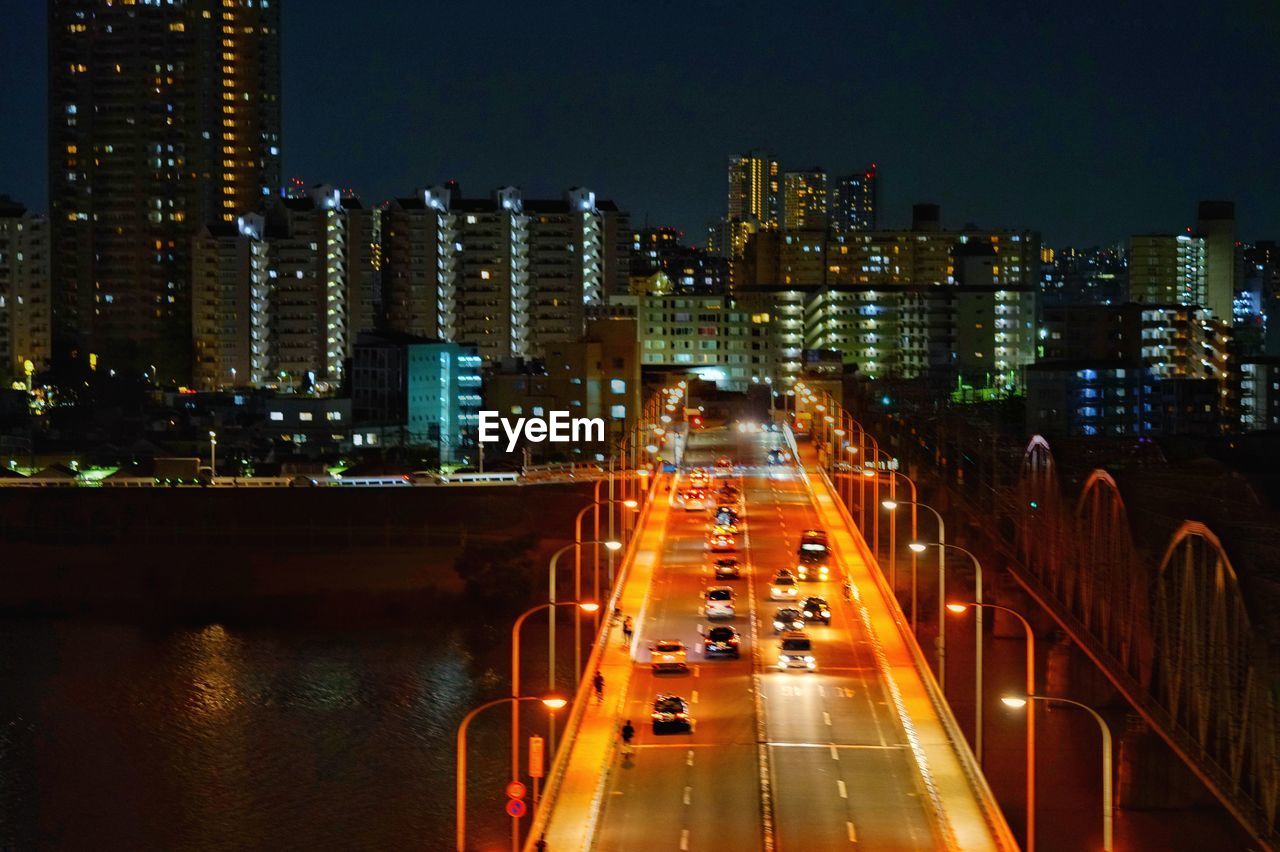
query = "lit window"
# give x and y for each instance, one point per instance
(277, 415)
(618, 412)
(305, 416)
(618, 386)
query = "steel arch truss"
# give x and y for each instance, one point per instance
(1209, 672)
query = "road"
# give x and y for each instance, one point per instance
(813, 760)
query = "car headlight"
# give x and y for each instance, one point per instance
(777, 625)
(826, 613)
(808, 658)
(808, 614)
(784, 659)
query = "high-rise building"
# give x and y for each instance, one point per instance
(687, 269)
(507, 274)
(853, 200)
(1216, 225)
(279, 298)
(24, 292)
(712, 336)
(753, 189)
(1166, 269)
(804, 200)
(163, 117)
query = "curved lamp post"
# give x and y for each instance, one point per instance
(917, 547)
(551, 702)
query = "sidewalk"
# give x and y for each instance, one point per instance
(970, 816)
(576, 807)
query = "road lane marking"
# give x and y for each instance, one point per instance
(684, 838)
(853, 833)
(694, 697)
(688, 795)
(688, 758)
(844, 791)
(826, 718)
(822, 691)
(697, 670)
(835, 752)
(867, 746)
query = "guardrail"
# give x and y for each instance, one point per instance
(585, 689)
(973, 773)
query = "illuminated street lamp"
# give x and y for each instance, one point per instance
(977, 626)
(959, 609)
(1108, 805)
(582, 606)
(551, 702)
(213, 456)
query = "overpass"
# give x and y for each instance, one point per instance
(861, 753)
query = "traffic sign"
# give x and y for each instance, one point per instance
(516, 808)
(535, 757)
(516, 790)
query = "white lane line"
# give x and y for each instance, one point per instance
(694, 697)
(844, 791)
(697, 670)
(835, 753)
(688, 758)
(853, 832)
(826, 718)
(684, 838)
(822, 691)
(688, 795)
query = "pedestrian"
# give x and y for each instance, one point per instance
(627, 733)
(541, 845)
(598, 683)
(626, 630)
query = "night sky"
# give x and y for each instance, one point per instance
(1089, 121)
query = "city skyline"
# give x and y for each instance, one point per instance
(553, 100)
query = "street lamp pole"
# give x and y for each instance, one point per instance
(587, 606)
(977, 663)
(213, 456)
(941, 640)
(1108, 804)
(1030, 844)
(551, 702)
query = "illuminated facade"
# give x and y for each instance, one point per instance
(753, 189)
(804, 200)
(163, 117)
(853, 201)
(24, 292)
(278, 299)
(507, 274)
(1166, 269)
(713, 336)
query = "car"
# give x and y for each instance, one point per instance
(722, 542)
(717, 602)
(724, 462)
(795, 651)
(726, 516)
(698, 476)
(668, 655)
(696, 501)
(728, 568)
(670, 714)
(722, 641)
(788, 618)
(783, 587)
(816, 609)
(776, 457)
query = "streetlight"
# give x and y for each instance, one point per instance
(551, 599)
(583, 606)
(916, 547)
(551, 702)
(977, 625)
(959, 609)
(1108, 806)
(213, 456)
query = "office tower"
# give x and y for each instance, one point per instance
(1166, 269)
(505, 273)
(853, 201)
(24, 292)
(1216, 225)
(278, 299)
(163, 117)
(753, 189)
(804, 200)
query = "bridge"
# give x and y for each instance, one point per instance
(862, 752)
